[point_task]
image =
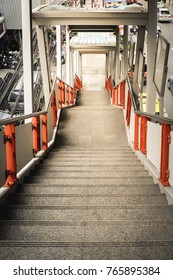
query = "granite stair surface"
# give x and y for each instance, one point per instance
(90, 197)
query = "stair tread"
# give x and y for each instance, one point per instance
(91, 232)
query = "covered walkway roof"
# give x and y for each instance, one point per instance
(79, 18)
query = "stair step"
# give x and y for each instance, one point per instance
(92, 158)
(92, 163)
(88, 200)
(90, 214)
(89, 148)
(56, 189)
(90, 174)
(91, 181)
(142, 250)
(86, 154)
(93, 231)
(88, 168)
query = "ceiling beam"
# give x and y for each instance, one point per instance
(90, 17)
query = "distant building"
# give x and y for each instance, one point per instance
(11, 23)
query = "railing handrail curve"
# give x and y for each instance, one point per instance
(154, 118)
(35, 114)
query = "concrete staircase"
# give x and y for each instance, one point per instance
(90, 198)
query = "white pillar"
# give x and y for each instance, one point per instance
(117, 68)
(27, 55)
(58, 52)
(76, 62)
(68, 56)
(151, 50)
(80, 66)
(43, 63)
(125, 52)
(71, 68)
(107, 66)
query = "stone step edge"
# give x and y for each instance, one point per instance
(61, 208)
(87, 195)
(11, 243)
(83, 223)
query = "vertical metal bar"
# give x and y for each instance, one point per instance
(27, 55)
(43, 63)
(122, 94)
(54, 109)
(136, 133)
(36, 134)
(60, 93)
(113, 95)
(58, 52)
(44, 132)
(164, 165)
(128, 112)
(11, 168)
(143, 135)
(151, 51)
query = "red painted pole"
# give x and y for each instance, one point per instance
(60, 94)
(122, 94)
(143, 135)
(164, 166)
(11, 168)
(72, 95)
(63, 93)
(128, 112)
(44, 132)
(113, 96)
(136, 133)
(54, 109)
(36, 134)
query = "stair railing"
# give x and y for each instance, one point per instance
(22, 146)
(148, 134)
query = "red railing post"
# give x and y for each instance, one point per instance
(116, 95)
(113, 95)
(36, 134)
(11, 168)
(44, 132)
(54, 109)
(164, 166)
(128, 111)
(122, 94)
(67, 95)
(136, 133)
(63, 93)
(60, 94)
(143, 135)
(72, 95)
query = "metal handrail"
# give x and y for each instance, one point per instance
(35, 114)
(154, 118)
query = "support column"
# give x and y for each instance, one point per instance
(80, 65)
(68, 68)
(71, 68)
(43, 63)
(75, 62)
(58, 52)
(107, 66)
(125, 52)
(117, 67)
(27, 55)
(151, 50)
